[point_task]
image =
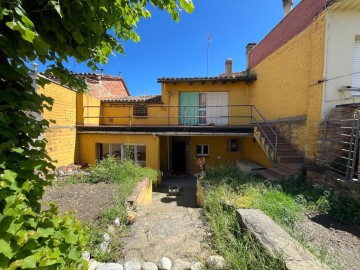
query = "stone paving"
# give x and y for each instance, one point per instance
(172, 226)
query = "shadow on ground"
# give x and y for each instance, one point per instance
(187, 195)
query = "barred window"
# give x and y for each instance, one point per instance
(140, 111)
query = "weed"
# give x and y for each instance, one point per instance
(286, 203)
(127, 175)
(239, 249)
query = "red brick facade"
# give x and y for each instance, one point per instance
(298, 20)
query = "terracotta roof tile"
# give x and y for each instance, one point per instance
(101, 86)
(239, 76)
(105, 86)
(135, 99)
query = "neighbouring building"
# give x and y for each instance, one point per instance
(68, 109)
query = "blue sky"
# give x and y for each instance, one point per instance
(170, 49)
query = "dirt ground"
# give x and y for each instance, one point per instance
(341, 240)
(89, 200)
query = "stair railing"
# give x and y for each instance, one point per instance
(274, 146)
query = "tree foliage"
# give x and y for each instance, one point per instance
(54, 30)
(49, 31)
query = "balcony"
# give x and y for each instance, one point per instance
(237, 119)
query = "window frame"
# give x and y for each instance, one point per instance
(140, 111)
(202, 152)
(122, 147)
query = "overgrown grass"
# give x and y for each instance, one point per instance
(285, 203)
(126, 175)
(240, 251)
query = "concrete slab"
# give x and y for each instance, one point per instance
(276, 241)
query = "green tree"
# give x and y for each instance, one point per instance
(49, 31)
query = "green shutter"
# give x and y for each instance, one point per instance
(189, 108)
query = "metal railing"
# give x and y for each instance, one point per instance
(184, 115)
(260, 126)
(340, 147)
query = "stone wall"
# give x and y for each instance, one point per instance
(332, 180)
(293, 129)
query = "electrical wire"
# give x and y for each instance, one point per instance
(335, 78)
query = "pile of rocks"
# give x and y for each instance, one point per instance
(213, 262)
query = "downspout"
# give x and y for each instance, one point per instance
(168, 153)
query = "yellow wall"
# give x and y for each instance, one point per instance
(162, 114)
(61, 135)
(157, 115)
(164, 153)
(239, 93)
(87, 106)
(283, 87)
(87, 146)
(218, 153)
(253, 152)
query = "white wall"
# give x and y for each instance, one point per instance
(342, 28)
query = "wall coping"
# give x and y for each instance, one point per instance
(137, 191)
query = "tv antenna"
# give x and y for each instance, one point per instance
(208, 41)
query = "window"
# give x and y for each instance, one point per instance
(140, 111)
(205, 108)
(106, 150)
(234, 145)
(202, 150)
(136, 153)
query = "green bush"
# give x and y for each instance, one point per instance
(33, 239)
(30, 238)
(112, 170)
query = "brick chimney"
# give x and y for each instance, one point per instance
(249, 48)
(228, 67)
(288, 4)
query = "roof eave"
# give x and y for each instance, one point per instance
(217, 79)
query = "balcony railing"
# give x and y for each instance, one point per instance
(186, 115)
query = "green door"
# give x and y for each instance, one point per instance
(189, 108)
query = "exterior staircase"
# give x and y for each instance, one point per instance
(286, 158)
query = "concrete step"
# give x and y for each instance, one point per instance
(272, 139)
(284, 146)
(278, 173)
(268, 131)
(267, 175)
(287, 152)
(293, 168)
(290, 159)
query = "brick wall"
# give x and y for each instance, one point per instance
(287, 84)
(329, 169)
(298, 20)
(61, 135)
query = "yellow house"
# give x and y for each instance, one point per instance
(193, 118)
(270, 114)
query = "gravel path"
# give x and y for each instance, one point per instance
(170, 227)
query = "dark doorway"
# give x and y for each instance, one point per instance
(178, 155)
